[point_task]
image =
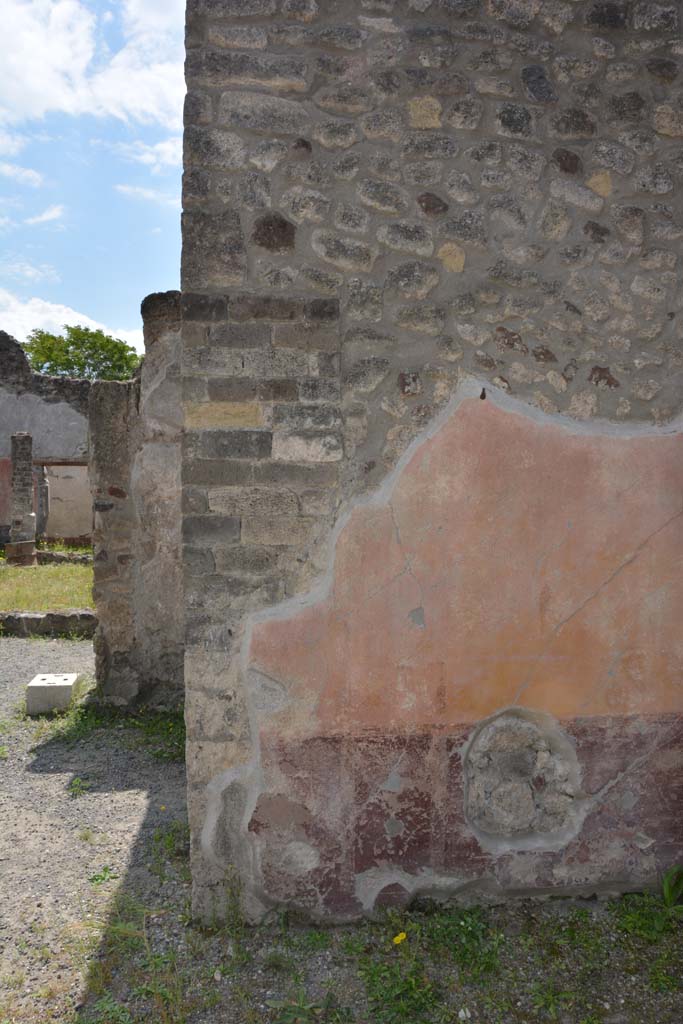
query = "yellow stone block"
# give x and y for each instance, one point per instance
(600, 183)
(452, 257)
(424, 112)
(213, 415)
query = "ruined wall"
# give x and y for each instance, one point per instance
(53, 410)
(135, 481)
(430, 638)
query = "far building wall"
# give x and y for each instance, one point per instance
(54, 411)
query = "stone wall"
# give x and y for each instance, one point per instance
(53, 410)
(135, 480)
(392, 212)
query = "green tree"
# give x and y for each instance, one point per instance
(81, 352)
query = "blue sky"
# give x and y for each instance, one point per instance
(91, 98)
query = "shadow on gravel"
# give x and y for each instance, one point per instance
(134, 765)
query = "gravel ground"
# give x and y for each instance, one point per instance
(52, 843)
(95, 929)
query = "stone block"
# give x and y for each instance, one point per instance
(285, 530)
(232, 8)
(210, 415)
(265, 307)
(48, 693)
(214, 252)
(307, 447)
(271, 115)
(213, 148)
(228, 444)
(21, 553)
(218, 67)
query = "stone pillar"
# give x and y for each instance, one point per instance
(22, 547)
(134, 475)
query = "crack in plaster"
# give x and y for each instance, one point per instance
(591, 597)
(598, 797)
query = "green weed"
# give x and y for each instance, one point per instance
(105, 875)
(664, 974)
(298, 1009)
(644, 916)
(550, 1000)
(397, 986)
(107, 1011)
(276, 961)
(313, 941)
(464, 935)
(78, 786)
(171, 843)
(672, 890)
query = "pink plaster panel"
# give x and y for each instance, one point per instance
(517, 560)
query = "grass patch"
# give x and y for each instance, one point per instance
(645, 916)
(46, 588)
(160, 733)
(63, 548)
(520, 964)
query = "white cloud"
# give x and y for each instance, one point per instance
(157, 156)
(150, 195)
(55, 212)
(22, 175)
(19, 318)
(11, 143)
(17, 266)
(45, 67)
(55, 62)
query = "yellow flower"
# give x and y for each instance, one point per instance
(163, 807)
(398, 939)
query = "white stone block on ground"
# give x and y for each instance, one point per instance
(50, 693)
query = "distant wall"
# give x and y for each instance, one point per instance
(54, 410)
(135, 481)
